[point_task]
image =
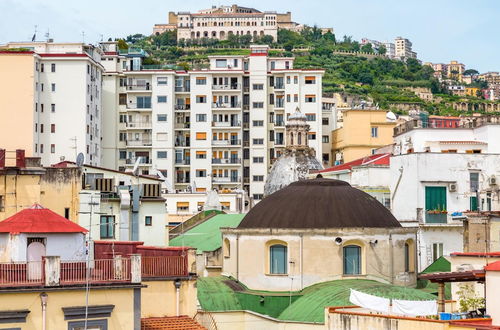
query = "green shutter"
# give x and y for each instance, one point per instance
(473, 203)
(435, 198)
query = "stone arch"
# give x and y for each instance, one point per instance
(222, 35)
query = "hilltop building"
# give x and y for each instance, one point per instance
(403, 49)
(56, 90)
(219, 128)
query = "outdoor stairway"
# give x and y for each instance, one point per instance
(182, 322)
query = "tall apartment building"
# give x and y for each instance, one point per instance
(51, 100)
(218, 128)
(220, 22)
(403, 48)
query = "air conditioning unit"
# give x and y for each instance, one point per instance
(493, 180)
(452, 187)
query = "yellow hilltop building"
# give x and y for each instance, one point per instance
(361, 131)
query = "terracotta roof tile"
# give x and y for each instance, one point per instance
(182, 322)
(377, 159)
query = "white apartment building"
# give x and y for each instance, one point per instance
(390, 49)
(67, 100)
(403, 49)
(220, 22)
(218, 128)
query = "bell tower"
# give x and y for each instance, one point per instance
(297, 131)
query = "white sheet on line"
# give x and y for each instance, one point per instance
(368, 301)
(414, 308)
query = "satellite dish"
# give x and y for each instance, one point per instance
(80, 159)
(391, 116)
(135, 171)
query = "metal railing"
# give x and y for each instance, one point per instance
(182, 125)
(22, 273)
(146, 106)
(226, 87)
(164, 266)
(226, 142)
(146, 87)
(133, 160)
(183, 162)
(182, 107)
(226, 179)
(139, 124)
(226, 160)
(99, 271)
(279, 86)
(182, 89)
(279, 123)
(138, 143)
(217, 105)
(438, 123)
(226, 124)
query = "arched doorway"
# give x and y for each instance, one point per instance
(35, 252)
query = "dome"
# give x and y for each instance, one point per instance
(319, 203)
(291, 167)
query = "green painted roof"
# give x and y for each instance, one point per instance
(206, 236)
(307, 305)
(441, 264)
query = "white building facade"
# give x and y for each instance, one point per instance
(403, 49)
(219, 128)
(68, 92)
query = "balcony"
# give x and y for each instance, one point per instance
(182, 181)
(227, 124)
(279, 123)
(138, 88)
(280, 103)
(230, 87)
(182, 125)
(437, 217)
(144, 161)
(139, 124)
(139, 143)
(225, 180)
(183, 161)
(182, 89)
(182, 143)
(140, 106)
(226, 161)
(182, 107)
(279, 86)
(235, 105)
(226, 143)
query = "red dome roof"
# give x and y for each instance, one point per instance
(38, 219)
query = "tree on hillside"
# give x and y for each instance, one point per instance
(470, 72)
(122, 44)
(367, 48)
(382, 50)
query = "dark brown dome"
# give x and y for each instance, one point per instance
(319, 203)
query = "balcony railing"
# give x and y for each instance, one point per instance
(279, 123)
(146, 87)
(226, 124)
(182, 89)
(279, 86)
(138, 143)
(226, 87)
(22, 273)
(182, 125)
(233, 105)
(182, 107)
(226, 179)
(437, 217)
(183, 161)
(131, 161)
(226, 142)
(146, 106)
(182, 143)
(100, 271)
(226, 160)
(164, 266)
(139, 124)
(182, 180)
(279, 104)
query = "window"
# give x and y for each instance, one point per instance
(53, 87)
(258, 160)
(161, 154)
(258, 105)
(41, 87)
(325, 121)
(437, 251)
(162, 80)
(325, 139)
(278, 259)
(295, 97)
(288, 79)
(258, 196)
(295, 79)
(288, 98)
(310, 80)
(41, 67)
(52, 148)
(310, 117)
(122, 99)
(435, 204)
(474, 181)
(101, 324)
(258, 123)
(311, 136)
(310, 98)
(201, 81)
(220, 63)
(201, 99)
(161, 99)
(201, 173)
(352, 260)
(258, 141)
(374, 132)
(53, 107)
(258, 87)
(122, 154)
(53, 67)
(201, 117)
(258, 178)
(473, 205)
(407, 257)
(201, 155)
(227, 248)
(148, 220)
(161, 117)
(41, 128)
(201, 135)
(107, 226)
(143, 102)
(41, 107)
(52, 128)
(182, 206)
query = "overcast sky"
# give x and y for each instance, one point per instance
(440, 30)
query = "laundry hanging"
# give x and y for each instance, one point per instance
(414, 308)
(368, 301)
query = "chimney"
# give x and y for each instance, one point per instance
(20, 159)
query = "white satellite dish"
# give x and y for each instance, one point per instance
(135, 171)
(391, 116)
(80, 159)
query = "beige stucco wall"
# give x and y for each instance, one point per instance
(245, 320)
(122, 316)
(159, 298)
(313, 256)
(469, 262)
(493, 292)
(19, 191)
(354, 138)
(17, 104)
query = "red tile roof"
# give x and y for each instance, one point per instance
(38, 219)
(182, 322)
(377, 159)
(495, 266)
(475, 254)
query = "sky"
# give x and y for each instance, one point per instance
(440, 30)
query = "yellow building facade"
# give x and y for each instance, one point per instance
(17, 104)
(362, 132)
(472, 91)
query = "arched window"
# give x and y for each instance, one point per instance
(278, 258)
(407, 257)
(352, 260)
(299, 142)
(227, 248)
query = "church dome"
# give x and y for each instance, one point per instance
(319, 203)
